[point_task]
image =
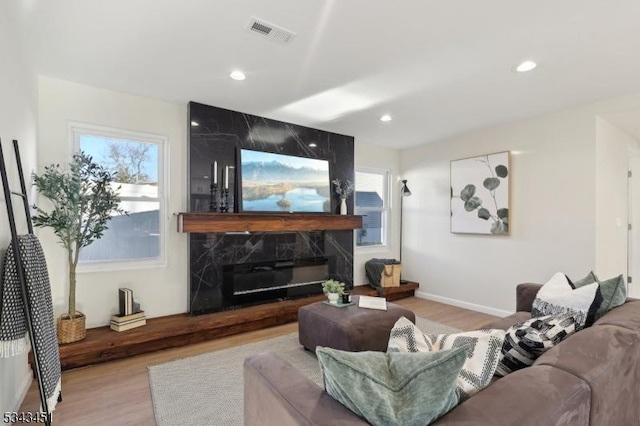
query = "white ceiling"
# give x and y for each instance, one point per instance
(439, 67)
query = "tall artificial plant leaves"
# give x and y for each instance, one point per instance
(82, 201)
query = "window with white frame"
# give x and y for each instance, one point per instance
(137, 162)
(372, 192)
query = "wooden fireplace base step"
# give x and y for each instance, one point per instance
(103, 344)
(390, 293)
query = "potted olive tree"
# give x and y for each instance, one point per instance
(82, 200)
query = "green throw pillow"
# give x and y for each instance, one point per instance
(613, 290)
(393, 388)
(589, 279)
(614, 293)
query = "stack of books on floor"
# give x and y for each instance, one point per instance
(130, 314)
(127, 322)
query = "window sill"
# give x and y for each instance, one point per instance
(369, 249)
(92, 267)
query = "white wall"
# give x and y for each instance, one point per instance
(162, 290)
(552, 209)
(612, 213)
(379, 158)
(568, 188)
(17, 121)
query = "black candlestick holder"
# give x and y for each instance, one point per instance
(224, 201)
(213, 198)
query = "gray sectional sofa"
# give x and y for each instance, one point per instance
(591, 378)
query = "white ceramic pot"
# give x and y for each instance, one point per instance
(333, 297)
(343, 206)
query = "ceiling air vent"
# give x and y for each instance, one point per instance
(270, 31)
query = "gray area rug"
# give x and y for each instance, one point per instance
(208, 389)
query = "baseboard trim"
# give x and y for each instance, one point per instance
(22, 392)
(462, 304)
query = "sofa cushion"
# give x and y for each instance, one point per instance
(626, 316)
(558, 296)
(393, 388)
(276, 390)
(527, 341)
(535, 396)
(482, 348)
(605, 357)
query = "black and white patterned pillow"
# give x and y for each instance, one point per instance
(483, 349)
(559, 296)
(405, 336)
(526, 341)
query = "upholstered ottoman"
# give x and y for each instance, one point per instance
(348, 328)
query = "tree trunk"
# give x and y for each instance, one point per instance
(72, 287)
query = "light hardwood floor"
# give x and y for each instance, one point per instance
(117, 392)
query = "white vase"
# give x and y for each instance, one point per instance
(333, 297)
(343, 206)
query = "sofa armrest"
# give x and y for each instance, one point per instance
(277, 391)
(525, 295)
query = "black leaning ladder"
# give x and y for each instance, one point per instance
(19, 266)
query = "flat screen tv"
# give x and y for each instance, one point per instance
(283, 183)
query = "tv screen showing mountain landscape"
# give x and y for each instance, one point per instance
(283, 183)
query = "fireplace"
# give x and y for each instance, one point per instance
(250, 283)
(280, 258)
(218, 139)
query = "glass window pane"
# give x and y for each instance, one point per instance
(136, 191)
(134, 163)
(132, 237)
(372, 229)
(136, 167)
(370, 189)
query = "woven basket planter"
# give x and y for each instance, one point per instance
(71, 329)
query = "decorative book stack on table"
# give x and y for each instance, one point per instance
(370, 302)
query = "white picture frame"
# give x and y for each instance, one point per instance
(480, 188)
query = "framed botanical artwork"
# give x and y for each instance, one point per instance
(480, 194)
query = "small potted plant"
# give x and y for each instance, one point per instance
(333, 289)
(82, 200)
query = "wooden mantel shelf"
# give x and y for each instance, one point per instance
(266, 222)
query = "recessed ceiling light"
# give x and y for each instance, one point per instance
(526, 66)
(386, 117)
(195, 124)
(312, 145)
(238, 75)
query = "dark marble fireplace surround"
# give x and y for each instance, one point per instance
(219, 135)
